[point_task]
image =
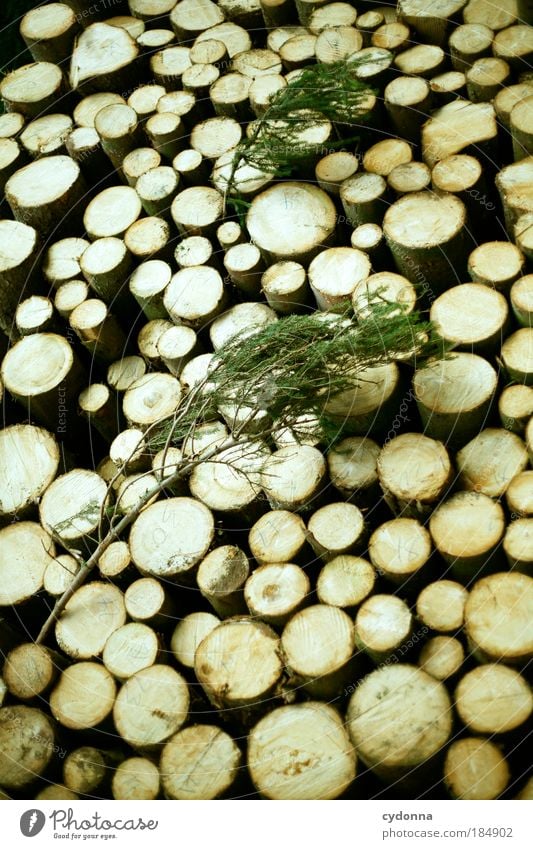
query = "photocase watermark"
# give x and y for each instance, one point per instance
(64, 824)
(32, 822)
(44, 741)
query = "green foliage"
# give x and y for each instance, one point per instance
(281, 141)
(295, 365)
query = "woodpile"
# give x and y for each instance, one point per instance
(203, 594)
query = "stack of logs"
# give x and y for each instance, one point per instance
(361, 612)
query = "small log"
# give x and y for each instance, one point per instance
(104, 59)
(293, 477)
(462, 175)
(345, 582)
(69, 296)
(30, 670)
(115, 562)
(132, 490)
(369, 406)
(190, 18)
(298, 51)
(448, 86)
(316, 761)
(433, 22)
(131, 24)
(497, 617)
(147, 285)
(398, 549)
(84, 696)
(475, 769)
(47, 194)
(262, 90)
(423, 60)
(122, 373)
(496, 264)
(189, 633)
(33, 89)
(231, 483)
(196, 210)
(415, 473)
(46, 135)
(364, 199)
(337, 43)
(243, 318)
(98, 330)
(177, 346)
(118, 128)
(385, 155)
(157, 189)
(277, 537)
(181, 103)
(195, 296)
(230, 233)
(106, 264)
(276, 591)
(158, 544)
(408, 102)
(523, 233)
(490, 461)
(484, 12)
(215, 136)
(453, 396)
(515, 45)
(150, 399)
(383, 626)
(352, 466)
(210, 52)
(130, 648)
(337, 528)
(133, 713)
(11, 124)
(285, 287)
(137, 162)
(517, 356)
(199, 762)
(467, 529)
(99, 406)
(410, 692)
(148, 238)
(194, 250)
(147, 601)
(59, 574)
(493, 699)
(519, 498)
(12, 157)
(392, 36)
(442, 657)
(27, 742)
(167, 133)
(245, 267)
(221, 578)
(514, 186)
(333, 169)
(441, 605)
(49, 32)
(111, 212)
(70, 508)
(479, 328)
(457, 127)
(129, 452)
(385, 285)
(168, 66)
(319, 646)
(43, 373)
(144, 99)
(426, 236)
(335, 273)
(92, 614)
(305, 221)
(62, 261)
(84, 770)
(29, 461)
(518, 546)
(191, 167)
(136, 778)
(83, 145)
(485, 78)
(238, 664)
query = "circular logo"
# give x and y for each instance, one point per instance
(32, 822)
